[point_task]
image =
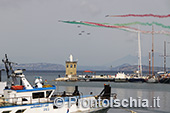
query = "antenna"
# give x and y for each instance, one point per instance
(71, 58)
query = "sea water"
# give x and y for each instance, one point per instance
(123, 90)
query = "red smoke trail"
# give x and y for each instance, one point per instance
(111, 26)
(140, 15)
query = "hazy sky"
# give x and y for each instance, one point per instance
(30, 31)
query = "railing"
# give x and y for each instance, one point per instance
(67, 94)
(22, 101)
(29, 100)
(97, 76)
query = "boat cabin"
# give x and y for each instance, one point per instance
(29, 96)
(25, 93)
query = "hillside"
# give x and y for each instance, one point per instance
(128, 67)
(38, 66)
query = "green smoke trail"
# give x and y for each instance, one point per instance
(81, 23)
(146, 24)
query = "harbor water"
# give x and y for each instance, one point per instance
(123, 90)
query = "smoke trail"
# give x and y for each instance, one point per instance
(140, 15)
(126, 28)
(146, 24)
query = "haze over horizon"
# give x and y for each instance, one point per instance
(30, 31)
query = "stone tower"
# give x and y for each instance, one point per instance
(71, 67)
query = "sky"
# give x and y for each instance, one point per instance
(30, 31)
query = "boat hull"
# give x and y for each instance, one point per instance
(121, 80)
(165, 80)
(105, 80)
(152, 80)
(49, 108)
(102, 79)
(137, 80)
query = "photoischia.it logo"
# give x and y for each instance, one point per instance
(94, 103)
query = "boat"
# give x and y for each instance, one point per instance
(24, 98)
(88, 75)
(2, 87)
(121, 77)
(165, 80)
(152, 79)
(102, 78)
(164, 77)
(136, 77)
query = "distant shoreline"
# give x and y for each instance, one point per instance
(59, 67)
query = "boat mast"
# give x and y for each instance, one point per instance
(149, 63)
(164, 56)
(152, 50)
(139, 57)
(8, 68)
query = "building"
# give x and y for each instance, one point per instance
(71, 68)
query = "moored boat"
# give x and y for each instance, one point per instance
(136, 78)
(121, 77)
(40, 98)
(164, 78)
(152, 79)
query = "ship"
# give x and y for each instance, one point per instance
(22, 97)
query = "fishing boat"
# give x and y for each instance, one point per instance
(40, 98)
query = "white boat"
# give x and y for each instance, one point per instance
(152, 79)
(25, 98)
(2, 87)
(121, 77)
(62, 79)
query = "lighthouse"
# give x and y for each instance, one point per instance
(71, 68)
